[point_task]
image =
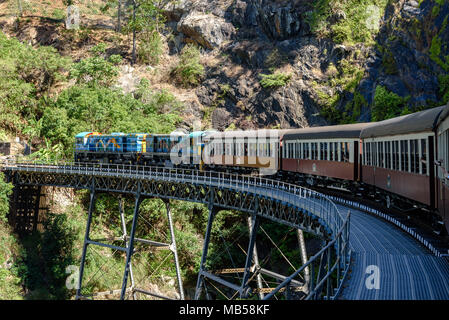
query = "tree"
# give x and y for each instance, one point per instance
(147, 19)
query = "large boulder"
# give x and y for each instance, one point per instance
(207, 30)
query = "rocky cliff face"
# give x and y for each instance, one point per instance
(412, 54)
(333, 62)
(331, 80)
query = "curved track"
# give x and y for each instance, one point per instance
(407, 270)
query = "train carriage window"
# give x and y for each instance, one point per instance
(414, 156)
(388, 155)
(297, 151)
(395, 145)
(331, 151)
(364, 153)
(374, 154)
(404, 155)
(445, 149)
(368, 153)
(424, 156)
(344, 152)
(381, 154)
(347, 153)
(325, 151)
(335, 151)
(314, 150)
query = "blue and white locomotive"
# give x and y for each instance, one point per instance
(138, 148)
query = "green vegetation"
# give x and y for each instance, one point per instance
(358, 21)
(273, 80)
(10, 283)
(189, 70)
(96, 71)
(443, 81)
(353, 109)
(387, 104)
(389, 63)
(91, 104)
(145, 21)
(26, 78)
(150, 49)
(435, 53)
(344, 77)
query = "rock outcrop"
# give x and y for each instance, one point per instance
(205, 29)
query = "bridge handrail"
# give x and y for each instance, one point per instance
(305, 198)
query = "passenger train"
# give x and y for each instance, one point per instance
(403, 162)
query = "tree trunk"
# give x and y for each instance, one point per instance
(119, 22)
(19, 5)
(134, 32)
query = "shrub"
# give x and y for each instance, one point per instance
(277, 79)
(94, 71)
(387, 104)
(5, 192)
(150, 49)
(189, 70)
(443, 81)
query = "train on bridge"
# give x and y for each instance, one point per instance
(403, 161)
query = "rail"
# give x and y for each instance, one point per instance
(311, 201)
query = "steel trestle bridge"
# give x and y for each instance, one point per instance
(284, 203)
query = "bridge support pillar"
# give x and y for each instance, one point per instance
(253, 224)
(86, 243)
(174, 249)
(302, 250)
(24, 208)
(128, 248)
(200, 282)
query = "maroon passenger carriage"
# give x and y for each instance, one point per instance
(399, 160)
(326, 155)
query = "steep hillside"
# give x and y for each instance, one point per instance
(269, 63)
